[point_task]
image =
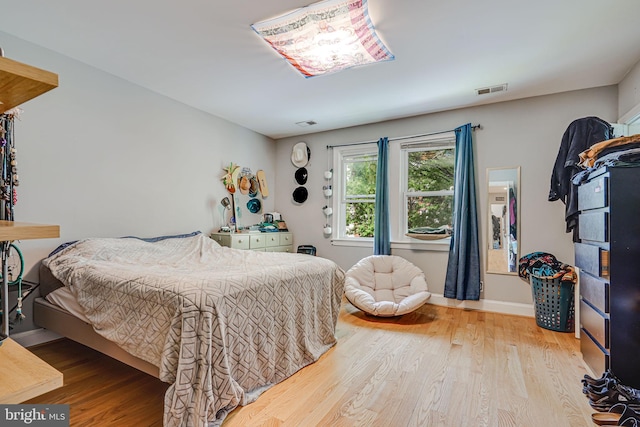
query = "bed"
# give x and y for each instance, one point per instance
(220, 325)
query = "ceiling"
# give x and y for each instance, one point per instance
(204, 54)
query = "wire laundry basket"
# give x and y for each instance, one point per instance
(554, 303)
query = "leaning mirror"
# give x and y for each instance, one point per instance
(503, 226)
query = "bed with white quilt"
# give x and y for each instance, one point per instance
(221, 325)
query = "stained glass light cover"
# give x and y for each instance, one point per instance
(325, 37)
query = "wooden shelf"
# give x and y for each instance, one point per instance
(13, 230)
(21, 82)
(23, 375)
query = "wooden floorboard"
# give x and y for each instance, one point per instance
(437, 367)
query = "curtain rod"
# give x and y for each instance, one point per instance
(474, 127)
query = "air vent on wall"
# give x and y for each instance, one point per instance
(306, 123)
(492, 89)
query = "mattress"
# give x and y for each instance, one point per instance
(63, 298)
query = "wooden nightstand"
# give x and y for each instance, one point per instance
(23, 375)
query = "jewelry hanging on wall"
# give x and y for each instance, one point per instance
(9, 179)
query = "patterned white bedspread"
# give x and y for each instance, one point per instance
(223, 325)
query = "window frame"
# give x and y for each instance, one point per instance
(436, 142)
(338, 222)
(398, 177)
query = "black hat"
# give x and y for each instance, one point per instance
(301, 176)
(300, 194)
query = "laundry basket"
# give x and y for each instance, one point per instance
(554, 303)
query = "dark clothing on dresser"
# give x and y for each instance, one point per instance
(580, 135)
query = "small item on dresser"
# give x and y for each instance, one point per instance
(282, 226)
(307, 249)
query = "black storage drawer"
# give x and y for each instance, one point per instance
(592, 259)
(609, 203)
(593, 355)
(595, 324)
(593, 194)
(594, 226)
(595, 290)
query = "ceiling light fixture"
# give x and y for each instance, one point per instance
(325, 37)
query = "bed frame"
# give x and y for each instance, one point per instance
(60, 321)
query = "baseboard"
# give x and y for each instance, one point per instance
(35, 337)
(517, 309)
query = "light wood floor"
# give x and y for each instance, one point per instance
(440, 367)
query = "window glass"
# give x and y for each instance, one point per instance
(359, 194)
(429, 187)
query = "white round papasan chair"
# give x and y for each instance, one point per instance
(386, 286)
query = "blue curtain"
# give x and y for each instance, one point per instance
(463, 271)
(382, 228)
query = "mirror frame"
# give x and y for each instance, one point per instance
(489, 268)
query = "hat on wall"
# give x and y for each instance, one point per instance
(300, 155)
(301, 176)
(300, 194)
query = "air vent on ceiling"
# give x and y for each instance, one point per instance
(306, 123)
(492, 89)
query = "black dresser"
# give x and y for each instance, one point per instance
(608, 256)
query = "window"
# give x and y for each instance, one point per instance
(421, 174)
(427, 185)
(357, 193)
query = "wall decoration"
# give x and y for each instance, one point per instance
(300, 194)
(327, 190)
(262, 182)
(228, 179)
(244, 180)
(254, 188)
(8, 165)
(254, 205)
(301, 176)
(300, 155)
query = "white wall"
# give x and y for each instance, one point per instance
(103, 157)
(629, 92)
(524, 133)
